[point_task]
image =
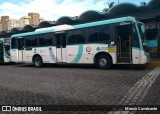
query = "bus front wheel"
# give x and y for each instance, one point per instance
(104, 62)
(38, 61)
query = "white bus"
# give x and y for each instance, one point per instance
(107, 42)
(5, 50)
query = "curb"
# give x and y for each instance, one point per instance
(153, 64)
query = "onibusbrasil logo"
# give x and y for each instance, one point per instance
(20, 108)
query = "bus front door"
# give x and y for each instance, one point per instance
(20, 46)
(1, 52)
(61, 48)
(123, 41)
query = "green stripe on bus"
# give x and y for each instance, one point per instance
(136, 48)
(79, 54)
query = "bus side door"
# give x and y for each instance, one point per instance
(61, 47)
(20, 46)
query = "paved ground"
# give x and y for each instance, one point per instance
(78, 85)
(154, 61)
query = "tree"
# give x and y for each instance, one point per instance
(110, 5)
(143, 4)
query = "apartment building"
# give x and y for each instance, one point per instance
(12, 23)
(4, 22)
(35, 18)
(25, 20)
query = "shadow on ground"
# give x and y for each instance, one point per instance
(86, 66)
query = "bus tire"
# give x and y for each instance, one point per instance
(104, 62)
(38, 62)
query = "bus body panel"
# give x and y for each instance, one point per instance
(144, 57)
(14, 55)
(28, 54)
(79, 53)
(136, 56)
(139, 56)
(85, 53)
(20, 56)
(61, 55)
(48, 54)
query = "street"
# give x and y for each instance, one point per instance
(78, 85)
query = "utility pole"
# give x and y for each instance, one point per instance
(118, 1)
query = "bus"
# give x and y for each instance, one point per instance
(105, 42)
(5, 50)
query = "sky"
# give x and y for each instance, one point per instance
(54, 9)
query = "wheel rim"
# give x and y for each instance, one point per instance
(103, 62)
(37, 62)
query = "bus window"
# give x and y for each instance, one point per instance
(72, 39)
(93, 34)
(80, 39)
(41, 40)
(103, 37)
(45, 39)
(31, 41)
(53, 39)
(99, 34)
(81, 36)
(104, 33)
(93, 37)
(135, 39)
(13, 43)
(48, 40)
(63, 40)
(77, 36)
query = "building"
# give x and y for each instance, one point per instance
(7, 23)
(12, 23)
(24, 21)
(4, 22)
(32, 19)
(35, 18)
(41, 19)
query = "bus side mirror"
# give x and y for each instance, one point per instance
(112, 43)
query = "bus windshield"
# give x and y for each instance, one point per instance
(143, 36)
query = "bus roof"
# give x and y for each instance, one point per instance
(69, 27)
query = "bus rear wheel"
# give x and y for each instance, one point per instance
(38, 61)
(104, 62)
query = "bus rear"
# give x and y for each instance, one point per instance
(5, 50)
